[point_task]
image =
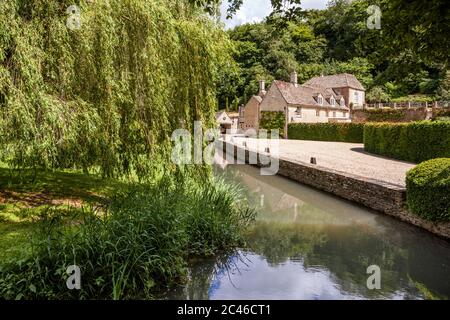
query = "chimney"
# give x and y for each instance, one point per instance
(262, 88)
(294, 78)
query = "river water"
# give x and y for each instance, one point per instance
(307, 244)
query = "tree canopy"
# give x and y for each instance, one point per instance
(408, 55)
(107, 93)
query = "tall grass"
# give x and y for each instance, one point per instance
(135, 250)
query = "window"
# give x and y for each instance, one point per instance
(356, 95)
(345, 114)
(334, 114)
(317, 112)
(333, 101)
(298, 112)
(328, 113)
(320, 100)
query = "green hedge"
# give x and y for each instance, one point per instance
(441, 113)
(339, 132)
(384, 115)
(272, 120)
(428, 190)
(415, 142)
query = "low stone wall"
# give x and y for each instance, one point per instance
(377, 195)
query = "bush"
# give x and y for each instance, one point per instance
(385, 115)
(428, 190)
(138, 249)
(414, 142)
(340, 132)
(271, 120)
(441, 113)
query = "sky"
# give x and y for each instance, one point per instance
(257, 10)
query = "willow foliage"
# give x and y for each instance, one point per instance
(109, 94)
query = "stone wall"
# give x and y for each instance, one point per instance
(377, 195)
(251, 115)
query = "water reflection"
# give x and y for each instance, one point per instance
(310, 245)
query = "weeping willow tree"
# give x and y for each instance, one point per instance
(103, 85)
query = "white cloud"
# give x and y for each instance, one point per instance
(256, 10)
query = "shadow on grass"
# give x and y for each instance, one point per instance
(28, 198)
(54, 188)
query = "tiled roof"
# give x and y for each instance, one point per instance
(306, 95)
(336, 81)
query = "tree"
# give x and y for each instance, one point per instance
(106, 96)
(421, 26)
(377, 94)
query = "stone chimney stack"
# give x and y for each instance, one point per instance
(262, 88)
(294, 78)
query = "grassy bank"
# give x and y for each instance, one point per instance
(130, 241)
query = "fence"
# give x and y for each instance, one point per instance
(408, 104)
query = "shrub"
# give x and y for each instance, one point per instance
(428, 190)
(273, 120)
(415, 142)
(441, 113)
(340, 132)
(384, 115)
(138, 249)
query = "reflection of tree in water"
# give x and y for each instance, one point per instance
(345, 251)
(411, 261)
(278, 242)
(204, 273)
(427, 259)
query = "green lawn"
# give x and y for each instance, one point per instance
(26, 200)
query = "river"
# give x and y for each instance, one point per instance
(306, 244)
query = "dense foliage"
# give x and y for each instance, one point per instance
(415, 142)
(109, 94)
(386, 115)
(139, 248)
(428, 190)
(271, 120)
(340, 132)
(390, 62)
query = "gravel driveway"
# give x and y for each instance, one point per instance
(344, 157)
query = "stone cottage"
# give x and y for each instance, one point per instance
(227, 121)
(321, 99)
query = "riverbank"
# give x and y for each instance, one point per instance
(312, 245)
(130, 241)
(343, 170)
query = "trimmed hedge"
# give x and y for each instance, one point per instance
(428, 190)
(384, 115)
(339, 132)
(415, 142)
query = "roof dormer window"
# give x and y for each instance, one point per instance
(333, 101)
(320, 100)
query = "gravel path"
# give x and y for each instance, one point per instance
(344, 157)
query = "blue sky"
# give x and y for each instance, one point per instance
(257, 10)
